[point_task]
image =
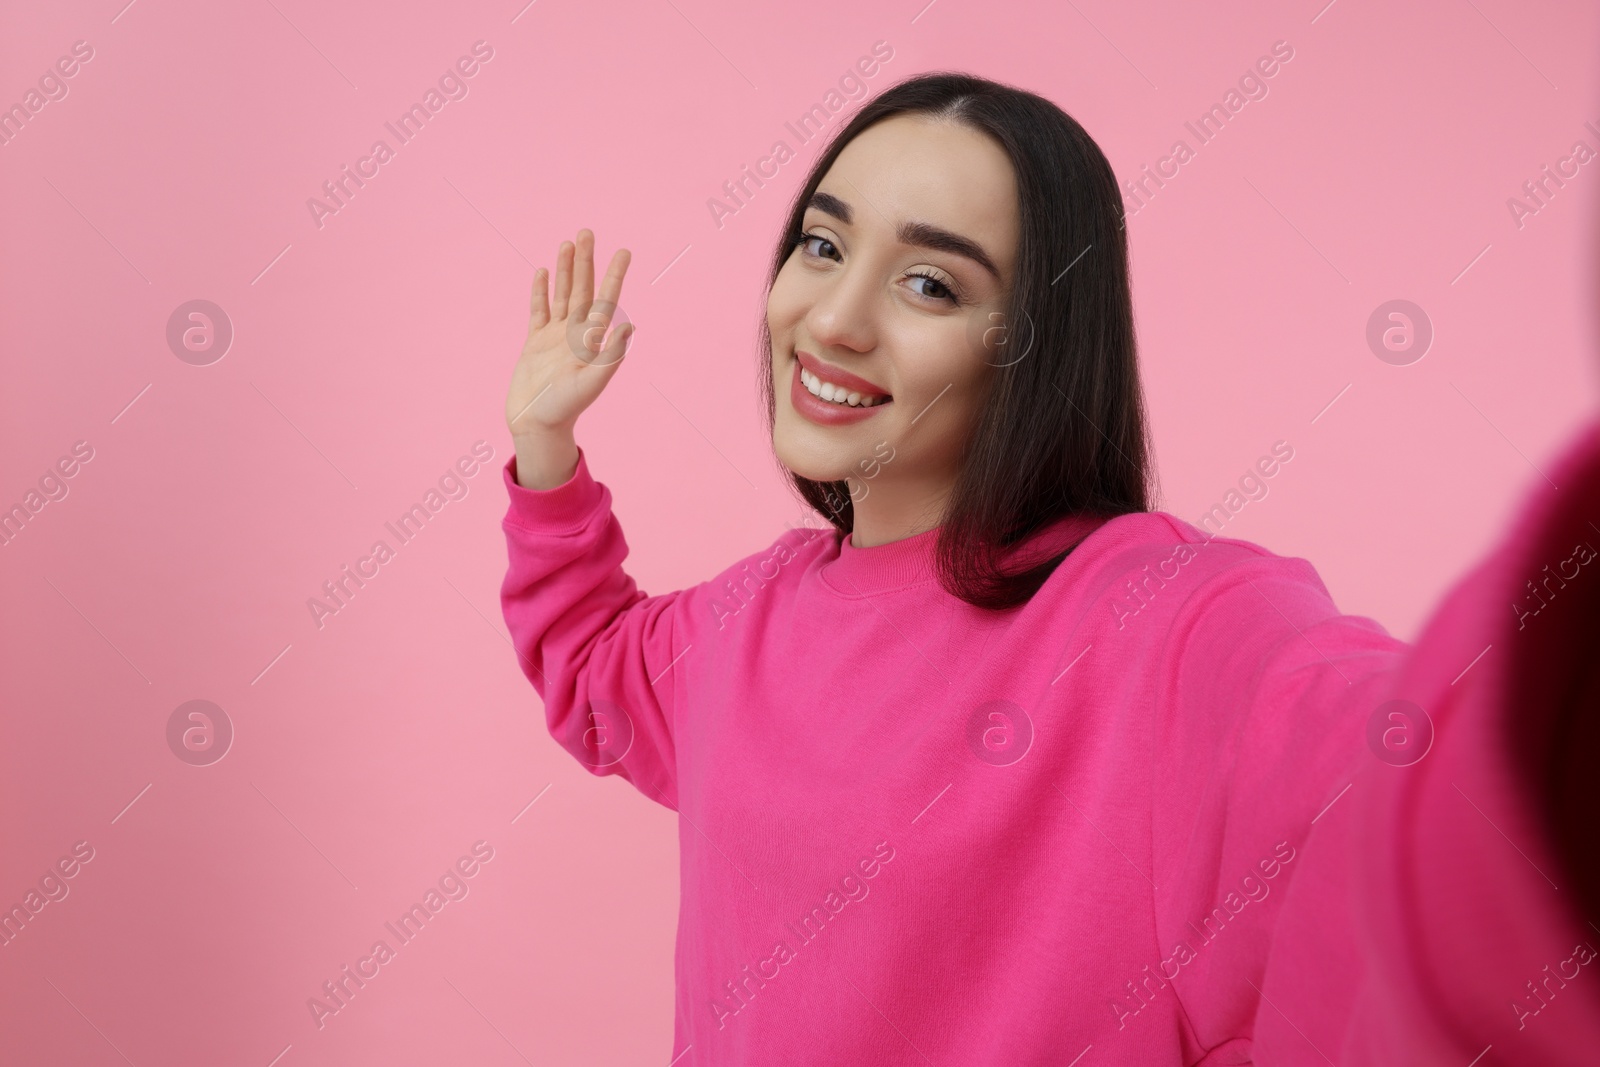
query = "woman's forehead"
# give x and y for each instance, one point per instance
(913, 176)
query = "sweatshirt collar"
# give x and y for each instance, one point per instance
(859, 572)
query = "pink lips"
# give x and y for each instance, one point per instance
(826, 412)
(833, 375)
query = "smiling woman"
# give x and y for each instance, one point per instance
(946, 664)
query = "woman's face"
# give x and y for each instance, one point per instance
(912, 238)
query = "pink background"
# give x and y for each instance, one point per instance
(370, 353)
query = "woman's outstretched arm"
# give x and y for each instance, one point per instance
(1447, 912)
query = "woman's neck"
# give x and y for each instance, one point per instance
(892, 511)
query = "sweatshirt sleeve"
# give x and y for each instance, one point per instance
(1446, 911)
(1269, 694)
(595, 647)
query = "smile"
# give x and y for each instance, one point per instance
(828, 396)
(837, 394)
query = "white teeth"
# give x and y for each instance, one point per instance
(835, 394)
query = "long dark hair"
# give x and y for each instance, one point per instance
(1063, 428)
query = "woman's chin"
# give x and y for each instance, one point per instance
(815, 472)
(826, 464)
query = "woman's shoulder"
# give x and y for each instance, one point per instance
(795, 545)
(1160, 540)
(1155, 563)
(761, 574)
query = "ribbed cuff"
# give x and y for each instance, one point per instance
(560, 510)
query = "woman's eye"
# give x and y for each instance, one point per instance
(941, 291)
(805, 240)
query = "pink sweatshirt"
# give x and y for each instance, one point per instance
(916, 832)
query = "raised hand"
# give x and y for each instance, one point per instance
(566, 360)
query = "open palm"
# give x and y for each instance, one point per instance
(564, 364)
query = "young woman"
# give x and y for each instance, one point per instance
(1000, 765)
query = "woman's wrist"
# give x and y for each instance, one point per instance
(545, 459)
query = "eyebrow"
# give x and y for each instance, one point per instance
(918, 234)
